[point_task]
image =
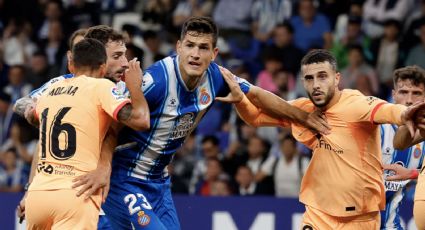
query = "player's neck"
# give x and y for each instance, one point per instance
(89, 73)
(333, 101)
(191, 82)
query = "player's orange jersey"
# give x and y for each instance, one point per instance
(344, 177)
(74, 115)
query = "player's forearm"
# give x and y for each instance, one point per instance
(275, 106)
(253, 116)
(403, 139)
(22, 104)
(107, 151)
(139, 116)
(389, 113)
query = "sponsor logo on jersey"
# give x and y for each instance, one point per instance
(143, 218)
(183, 126)
(205, 97)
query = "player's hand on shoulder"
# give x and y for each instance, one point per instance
(235, 95)
(134, 74)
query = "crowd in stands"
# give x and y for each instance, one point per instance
(262, 41)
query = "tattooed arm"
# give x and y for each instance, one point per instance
(25, 107)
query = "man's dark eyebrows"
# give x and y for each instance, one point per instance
(322, 72)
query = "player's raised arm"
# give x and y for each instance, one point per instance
(135, 115)
(266, 109)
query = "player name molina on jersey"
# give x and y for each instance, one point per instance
(183, 126)
(70, 90)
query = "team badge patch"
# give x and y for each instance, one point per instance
(117, 93)
(417, 152)
(204, 98)
(143, 218)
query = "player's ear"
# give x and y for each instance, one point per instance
(337, 78)
(178, 46)
(71, 66)
(215, 53)
(102, 70)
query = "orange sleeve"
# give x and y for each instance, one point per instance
(253, 115)
(111, 100)
(388, 113)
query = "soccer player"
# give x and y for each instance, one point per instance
(70, 145)
(116, 64)
(409, 88)
(342, 187)
(179, 90)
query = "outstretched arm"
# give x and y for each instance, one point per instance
(400, 172)
(266, 109)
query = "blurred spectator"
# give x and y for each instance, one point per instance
(312, 29)
(18, 86)
(152, 48)
(358, 67)
(12, 178)
(353, 36)
(266, 15)
(386, 52)
(54, 46)
(245, 181)
(53, 11)
(182, 166)
(355, 11)
(22, 139)
(40, 71)
(377, 12)
(220, 188)
(364, 85)
(233, 17)
(188, 8)
(412, 34)
(332, 9)
(282, 79)
(158, 14)
(283, 44)
(210, 150)
(213, 173)
(287, 170)
(18, 47)
(417, 54)
(82, 14)
(6, 116)
(272, 64)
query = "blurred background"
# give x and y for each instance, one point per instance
(262, 41)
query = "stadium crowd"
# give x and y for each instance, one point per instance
(262, 41)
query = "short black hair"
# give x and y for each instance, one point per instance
(89, 53)
(199, 26)
(104, 34)
(414, 73)
(287, 26)
(319, 56)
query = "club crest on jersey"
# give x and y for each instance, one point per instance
(417, 152)
(117, 93)
(143, 218)
(205, 97)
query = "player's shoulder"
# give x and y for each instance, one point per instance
(302, 103)
(38, 92)
(354, 96)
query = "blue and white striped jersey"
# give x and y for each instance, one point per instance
(395, 190)
(38, 92)
(174, 112)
